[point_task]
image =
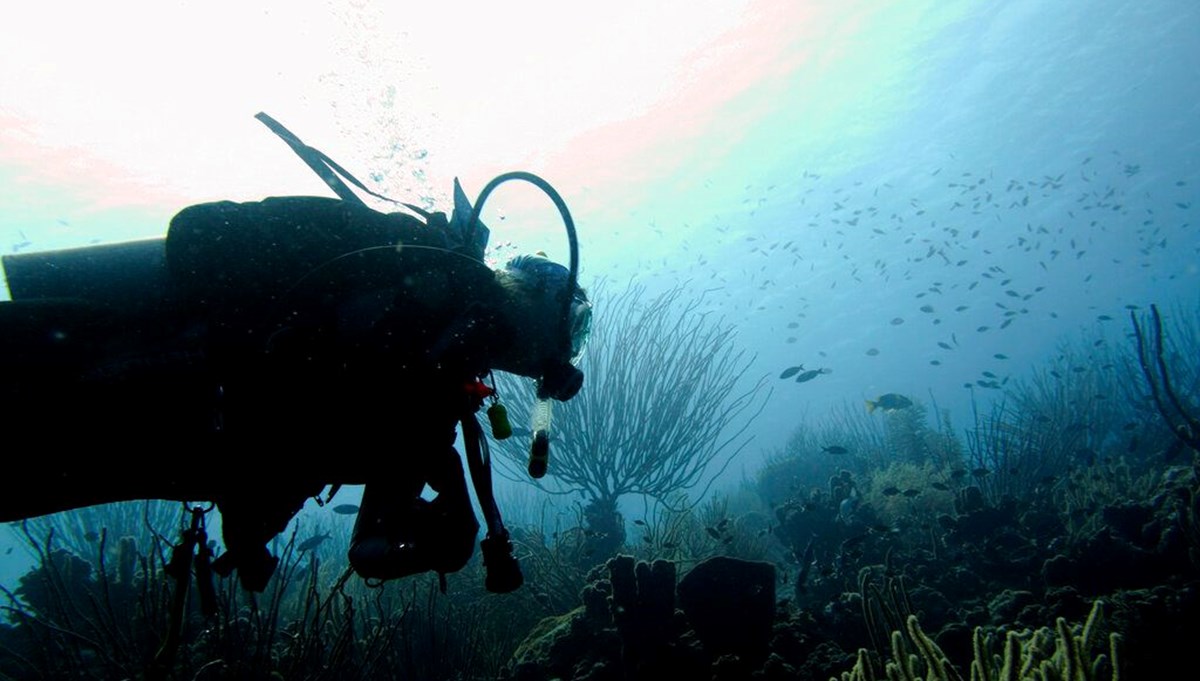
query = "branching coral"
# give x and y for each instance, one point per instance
(666, 406)
(1064, 653)
(1173, 407)
(75, 617)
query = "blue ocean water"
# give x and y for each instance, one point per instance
(934, 202)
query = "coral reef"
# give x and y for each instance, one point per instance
(1070, 653)
(636, 623)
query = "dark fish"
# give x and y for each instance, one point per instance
(346, 509)
(889, 402)
(981, 472)
(312, 542)
(1173, 451)
(872, 352)
(911, 492)
(791, 371)
(897, 321)
(940, 486)
(712, 532)
(853, 541)
(958, 473)
(91, 535)
(808, 375)
(891, 491)
(927, 309)
(639, 522)
(835, 449)
(944, 345)
(1000, 355)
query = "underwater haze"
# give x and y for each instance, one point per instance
(848, 183)
(927, 198)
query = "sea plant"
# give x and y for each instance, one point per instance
(1062, 652)
(667, 404)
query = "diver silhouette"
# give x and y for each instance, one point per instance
(264, 351)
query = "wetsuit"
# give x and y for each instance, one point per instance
(258, 353)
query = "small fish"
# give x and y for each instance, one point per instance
(1000, 355)
(1173, 451)
(639, 522)
(889, 402)
(981, 472)
(346, 509)
(811, 374)
(927, 309)
(835, 449)
(92, 536)
(912, 492)
(897, 321)
(890, 491)
(312, 542)
(712, 532)
(871, 352)
(791, 371)
(940, 486)
(853, 541)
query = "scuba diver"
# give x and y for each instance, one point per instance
(264, 351)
